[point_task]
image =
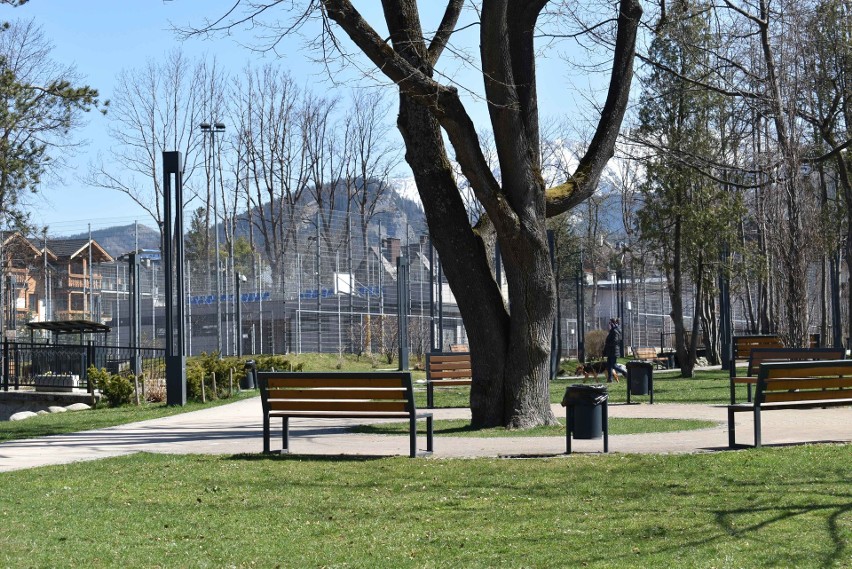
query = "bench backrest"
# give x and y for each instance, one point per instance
(741, 346)
(804, 381)
(645, 353)
(363, 392)
(446, 365)
(769, 355)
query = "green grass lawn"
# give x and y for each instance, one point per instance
(462, 428)
(707, 387)
(764, 508)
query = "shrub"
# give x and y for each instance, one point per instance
(595, 340)
(117, 389)
(194, 377)
(277, 363)
(155, 392)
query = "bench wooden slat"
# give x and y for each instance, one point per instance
(437, 359)
(361, 393)
(836, 370)
(336, 405)
(450, 374)
(340, 414)
(367, 381)
(450, 365)
(787, 384)
(788, 396)
(452, 382)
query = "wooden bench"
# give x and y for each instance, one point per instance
(770, 355)
(352, 395)
(650, 355)
(446, 369)
(741, 347)
(795, 385)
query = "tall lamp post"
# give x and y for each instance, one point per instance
(238, 325)
(212, 130)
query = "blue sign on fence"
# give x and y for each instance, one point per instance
(246, 297)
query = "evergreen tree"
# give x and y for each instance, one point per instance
(686, 216)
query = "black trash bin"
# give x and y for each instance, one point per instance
(587, 402)
(249, 381)
(640, 379)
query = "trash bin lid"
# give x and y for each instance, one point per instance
(585, 394)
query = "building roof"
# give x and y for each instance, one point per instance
(70, 248)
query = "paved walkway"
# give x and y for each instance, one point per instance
(237, 428)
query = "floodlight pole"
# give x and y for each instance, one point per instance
(135, 320)
(402, 299)
(175, 286)
(239, 278)
(212, 130)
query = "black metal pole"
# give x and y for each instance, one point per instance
(836, 330)
(555, 336)
(431, 296)
(402, 309)
(725, 317)
(173, 256)
(581, 324)
(135, 320)
(440, 306)
(238, 299)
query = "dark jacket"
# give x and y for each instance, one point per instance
(613, 342)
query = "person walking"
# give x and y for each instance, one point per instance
(611, 349)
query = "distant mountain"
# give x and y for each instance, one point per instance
(119, 240)
(399, 207)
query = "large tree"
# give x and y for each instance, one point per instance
(509, 341)
(42, 106)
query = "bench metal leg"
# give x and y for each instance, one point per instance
(732, 433)
(748, 392)
(733, 390)
(430, 395)
(412, 436)
(605, 421)
(285, 434)
(266, 434)
(569, 427)
(757, 426)
(412, 428)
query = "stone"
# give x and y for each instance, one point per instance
(57, 409)
(21, 415)
(42, 412)
(78, 407)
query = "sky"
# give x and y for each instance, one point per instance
(103, 37)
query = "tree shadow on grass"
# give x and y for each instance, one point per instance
(838, 513)
(322, 458)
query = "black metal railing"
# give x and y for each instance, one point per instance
(64, 367)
